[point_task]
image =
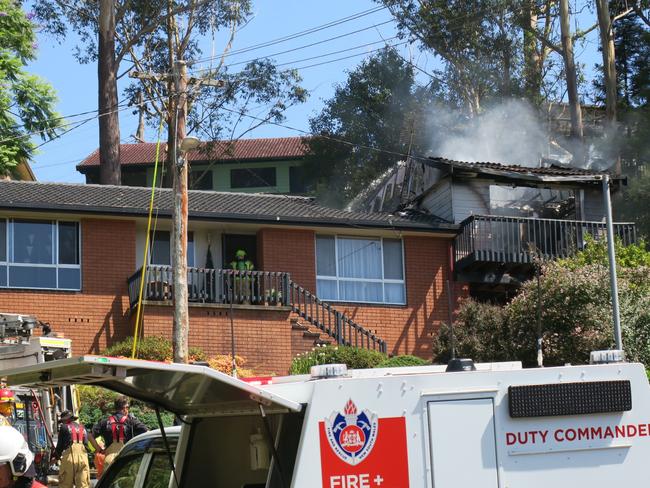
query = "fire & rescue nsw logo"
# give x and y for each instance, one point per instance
(352, 434)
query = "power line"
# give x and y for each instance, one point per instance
(299, 47)
(289, 37)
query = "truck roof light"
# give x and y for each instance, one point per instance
(606, 357)
(328, 371)
(460, 364)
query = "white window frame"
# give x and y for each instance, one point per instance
(10, 252)
(381, 280)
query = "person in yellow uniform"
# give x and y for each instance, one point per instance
(71, 450)
(118, 429)
(7, 401)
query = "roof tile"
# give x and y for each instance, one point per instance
(144, 153)
(220, 206)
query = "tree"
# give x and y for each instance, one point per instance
(476, 39)
(26, 101)
(141, 34)
(379, 106)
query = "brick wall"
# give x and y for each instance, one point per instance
(289, 250)
(407, 329)
(98, 315)
(262, 336)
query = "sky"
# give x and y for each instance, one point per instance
(76, 84)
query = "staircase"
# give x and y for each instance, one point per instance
(331, 325)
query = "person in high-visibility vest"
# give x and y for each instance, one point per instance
(16, 461)
(7, 401)
(118, 429)
(71, 450)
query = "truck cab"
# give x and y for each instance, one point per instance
(498, 426)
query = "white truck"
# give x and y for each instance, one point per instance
(498, 426)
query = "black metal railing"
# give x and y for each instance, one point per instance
(490, 238)
(255, 288)
(213, 286)
(335, 324)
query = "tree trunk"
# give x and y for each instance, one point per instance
(532, 68)
(109, 121)
(609, 70)
(575, 110)
(609, 58)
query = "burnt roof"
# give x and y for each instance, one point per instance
(551, 173)
(266, 149)
(207, 205)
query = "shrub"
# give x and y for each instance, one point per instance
(595, 252)
(399, 361)
(576, 318)
(223, 363)
(353, 357)
(152, 348)
(479, 334)
(96, 403)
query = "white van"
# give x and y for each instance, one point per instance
(499, 426)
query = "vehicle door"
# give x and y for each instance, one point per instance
(141, 464)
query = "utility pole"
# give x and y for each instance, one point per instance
(181, 325)
(179, 145)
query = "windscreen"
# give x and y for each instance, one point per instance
(236, 452)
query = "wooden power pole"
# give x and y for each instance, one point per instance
(181, 326)
(177, 134)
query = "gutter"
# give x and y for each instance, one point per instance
(243, 218)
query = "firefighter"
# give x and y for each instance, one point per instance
(71, 450)
(241, 263)
(7, 401)
(16, 461)
(118, 429)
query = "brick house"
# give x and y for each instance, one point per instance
(72, 255)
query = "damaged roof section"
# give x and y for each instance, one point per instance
(405, 184)
(550, 172)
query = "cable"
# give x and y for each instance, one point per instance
(200, 70)
(289, 37)
(146, 246)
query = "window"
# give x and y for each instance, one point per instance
(252, 177)
(124, 472)
(159, 471)
(161, 248)
(40, 254)
(298, 180)
(360, 270)
(200, 179)
(134, 177)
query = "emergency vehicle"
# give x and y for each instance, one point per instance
(496, 426)
(35, 411)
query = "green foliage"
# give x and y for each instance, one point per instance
(354, 358)
(26, 101)
(378, 106)
(630, 204)
(405, 360)
(152, 348)
(595, 252)
(575, 318)
(97, 403)
(478, 334)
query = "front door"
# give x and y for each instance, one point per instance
(463, 447)
(239, 242)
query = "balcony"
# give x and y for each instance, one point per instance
(254, 288)
(213, 286)
(486, 242)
